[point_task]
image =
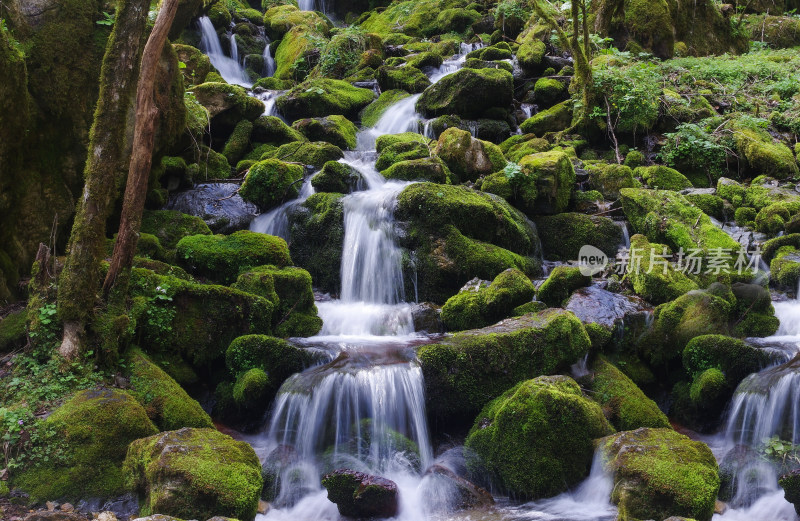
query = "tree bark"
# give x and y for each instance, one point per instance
(142, 152)
(108, 156)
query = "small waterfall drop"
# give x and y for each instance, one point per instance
(269, 62)
(229, 67)
(276, 221)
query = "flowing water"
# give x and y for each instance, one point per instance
(228, 66)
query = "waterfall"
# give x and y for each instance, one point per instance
(269, 61)
(229, 67)
(276, 221)
(306, 5)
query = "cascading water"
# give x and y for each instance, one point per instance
(229, 67)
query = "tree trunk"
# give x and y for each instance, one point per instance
(142, 152)
(108, 157)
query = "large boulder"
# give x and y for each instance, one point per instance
(469, 93)
(610, 317)
(536, 440)
(323, 97)
(560, 284)
(334, 129)
(467, 157)
(94, 429)
(195, 474)
(361, 495)
(465, 371)
(594, 230)
(656, 281)
(659, 473)
(228, 102)
(271, 182)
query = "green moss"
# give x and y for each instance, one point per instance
(238, 142)
(474, 308)
(93, 430)
(610, 179)
(170, 226)
(194, 474)
(762, 154)
(407, 78)
(733, 358)
(273, 355)
(251, 388)
(336, 177)
(426, 169)
(662, 177)
(372, 113)
(272, 130)
(518, 146)
(785, 267)
(628, 407)
(402, 151)
(531, 51)
(556, 118)
(307, 153)
(597, 231)
(634, 159)
(223, 257)
(323, 97)
(653, 280)
(335, 129)
(560, 284)
(166, 403)
(545, 185)
(548, 91)
(418, 18)
(317, 238)
(464, 372)
(745, 216)
(658, 473)
(280, 19)
(230, 102)
(210, 164)
(468, 158)
(13, 331)
(198, 64)
(536, 439)
(470, 93)
(271, 182)
(773, 218)
(710, 204)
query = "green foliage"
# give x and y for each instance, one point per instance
(695, 148)
(785, 453)
(632, 93)
(342, 53)
(108, 19)
(159, 318)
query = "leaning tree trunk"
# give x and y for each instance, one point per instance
(142, 152)
(109, 152)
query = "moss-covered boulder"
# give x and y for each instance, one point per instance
(315, 153)
(594, 230)
(239, 142)
(610, 179)
(195, 474)
(733, 357)
(228, 103)
(531, 51)
(324, 97)
(407, 78)
(317, 238)
(549, 91)
(659, 473)
(272, 130)
(13, 331)
(561, 282)
(166, 403)
(536, 439)
(93, 430)
(457, 234)
(334, 129)
(662, 177)
(763, 155)
(556, 118)
(469, 93)
(785, 267)
(271, 182)
(404, 151)
(279, 19)
(464, 372)
(479, 306)
(336, 177)
(197, 64)
(625, 405)
(223, 257)
(361, 495)
(654, 279)
(275, 356)
(423, 18)
(426, 169)
(466, 157)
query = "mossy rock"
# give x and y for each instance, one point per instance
(710, 204)
(464, 372)
(336, 177)
(475, 308)
(372, 113)
(536, 439)
(335, 129)
(544, 186)
(785, 267)
(238, 142)
(555, 119)
(659, 473)
(470, 93)
(166, 403)
(763, 155)
(197, 64)
(13, 331)
(170, 226)
(518, 146)
(735, 358)
(549, 91)
(317, 238)
(280, 19)
(223, 257)
(272, 130)
(610, 179)
(468, 158)
(403, 151)
(93, 430)
(662, 177)
(210, 165)
(296, 54)
(251, 388)
(271, 182)
(594, 230)
(195, 474)
(315, 153)
(229, 102)
(324, 97)
(531, 51)
(407, 78)
(275, 356)
(677, 109)
(430, 169)
(560, 284)
(654, 280)
(386, 141)
(626, 406)
(415, 18)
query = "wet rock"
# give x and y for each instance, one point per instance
(735, 472)
(281, 458)
(427, 317)
(46, 515)
(625, 315)
(357, 494)
(791, 486)
(67, 507)
(218, 204)
(462, 493)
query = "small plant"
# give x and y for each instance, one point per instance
(784, 453)
(108, 19)
(694, 148)
(160, 314)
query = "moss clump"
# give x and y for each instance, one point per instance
(548, 91)
(227, 102)
(543, 185)
(464, 372)
(195, 474)
(773, 218)
(426, 169)
(272, 130)
(270, 182)
(420, 18)
(372, 113)
(610, 179)
(323, 97)
(536, 439)
(556, 118)
(238, 142)
(653, 280)
(518, 146)
(785, 267)
(197, 64)
(280, 19)
(336, 177)
(93, 429)
(474, 308)
(13, 331)
(745, 216)
(659, 473)
(470, 93)
(275, 356)
(563, 280)
(251, 388)
(170, 226)
(531, 51)
(402, 151)
(466, 157)
(662, 177)
(316, 153)
(337, 130)
(223, 257)
(627, 406)
(597, 231)
(407, 78)
(166, 403)
(762, 155)
(710, 204)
